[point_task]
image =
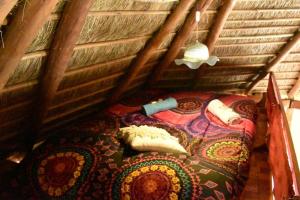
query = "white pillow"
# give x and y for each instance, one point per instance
(149, 138)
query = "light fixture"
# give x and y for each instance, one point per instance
(197, 54)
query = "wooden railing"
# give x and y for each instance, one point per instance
(282, 157)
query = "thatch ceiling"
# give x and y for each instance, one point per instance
(111, 39)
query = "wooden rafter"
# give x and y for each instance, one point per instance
(67, 33)
(215, 32)
(183, 35)
(20, 34)
(151, 47)
(263, 72)
(5, 8)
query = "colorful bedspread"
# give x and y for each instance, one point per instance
(87, 161)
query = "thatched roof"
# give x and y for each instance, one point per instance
(112, 39)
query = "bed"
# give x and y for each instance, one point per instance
(88, 161)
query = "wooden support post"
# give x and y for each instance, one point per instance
(183, 35)
(280, 57)
(20, 34)
(169, 26)
(5, 8)
(61, 50)
(215, 33)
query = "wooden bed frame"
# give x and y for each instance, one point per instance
(282, 157)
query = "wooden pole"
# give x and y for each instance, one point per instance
(169, 26)
(61, 50)
(183, 35)
(5, 8)
(215, 32)
(280, 57)
(20, 34)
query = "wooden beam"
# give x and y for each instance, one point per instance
(144, 55)
(61, 50)
(187, 29)
(20, 33)
(5, 8)
(215, 32)
(280, 57)
(295, 104)
(295, 89)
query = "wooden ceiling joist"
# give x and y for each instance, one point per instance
(263, 72)
(215, 32)
(61, 50)
(20, 33)
(169, 26)
(187, 29)
(5, 7)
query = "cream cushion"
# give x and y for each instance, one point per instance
(149, 138)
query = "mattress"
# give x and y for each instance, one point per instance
(88, 161)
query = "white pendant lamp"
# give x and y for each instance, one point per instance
(197, 54)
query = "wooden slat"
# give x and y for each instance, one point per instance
(21, 32)
(96, 101)
(90, 83)
(287, 135)
(5, 8)
(215, 32)
(280, 57)
(111, 42)
(189, 25)
(20, 86)
(295, 104)
(130, 12)
(61, 50)
(295, 89)
(80, 98)
(151, 46)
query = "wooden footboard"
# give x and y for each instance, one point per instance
(282, 158)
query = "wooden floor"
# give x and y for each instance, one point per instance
(258, 186)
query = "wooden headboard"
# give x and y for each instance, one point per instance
(282, 157)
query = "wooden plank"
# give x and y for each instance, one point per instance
(82, 107)
(290, 151)
(61, 50)
(80, 98)
(129, 12)
(295, 89)
(111, 42)
(215, 32)
(5, 8)
(295, 104)
(20, 33)
(151, 46)
(189, 25)
(280, 57)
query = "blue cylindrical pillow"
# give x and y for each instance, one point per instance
(166, 104)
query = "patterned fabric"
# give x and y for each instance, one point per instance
(246, 108)
(188, 105)
(154, 179)
(87, 161)
(63, 173)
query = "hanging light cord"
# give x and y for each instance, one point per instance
(2, 41)
(198, 16)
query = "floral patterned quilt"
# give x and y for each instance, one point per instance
(87, 161)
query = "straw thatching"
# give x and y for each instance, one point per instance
(112, 38)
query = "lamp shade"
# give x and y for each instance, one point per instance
(195, 55)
